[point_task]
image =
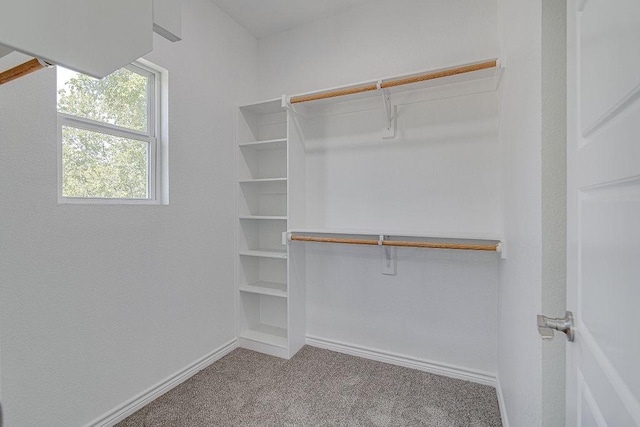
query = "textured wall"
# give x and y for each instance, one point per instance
(99, 303)
(441, 306)
(440, 173)
(382, 38)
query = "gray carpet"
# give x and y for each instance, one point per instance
(318, 388)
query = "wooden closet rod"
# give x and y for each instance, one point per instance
(397, 82)
(335, 240)
(461, 246)
(22, 70)
(468, 247)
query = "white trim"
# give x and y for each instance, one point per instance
(102, 127)
(591, 402)
(437, 368)
(614, 111)
(123, 411)
(105, 201)
(161, 126)
(501, 404)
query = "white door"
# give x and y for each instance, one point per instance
(603, 265)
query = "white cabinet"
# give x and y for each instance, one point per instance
(92, 37)
(95, 38)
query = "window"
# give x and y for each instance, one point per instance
(110, 149)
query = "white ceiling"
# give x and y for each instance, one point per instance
(266, 17)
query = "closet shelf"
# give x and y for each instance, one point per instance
(262, 180)
(266, 288)
(264, 217)
(487, 72)
(453, 235)
(271, 106)
(272, 144)
(267, 334)
(265, 253)
(438, 240)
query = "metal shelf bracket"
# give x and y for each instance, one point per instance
(389, 131)
(297, 111)
(389, 260)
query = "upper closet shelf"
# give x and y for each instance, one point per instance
(428, 85)
(489, 69)
(272, 144)
(271, 106)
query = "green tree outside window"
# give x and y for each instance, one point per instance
(97, 164)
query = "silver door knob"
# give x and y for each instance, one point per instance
(546, 326)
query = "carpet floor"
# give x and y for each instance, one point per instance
(318, 388)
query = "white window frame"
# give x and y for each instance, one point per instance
(155, 137)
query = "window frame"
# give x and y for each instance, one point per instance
(156, 156)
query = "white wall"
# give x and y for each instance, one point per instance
(441, 306)
(100, 303)
(439, 173)
(382, 38)
(519, 356)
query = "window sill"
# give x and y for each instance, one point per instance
(106, 201)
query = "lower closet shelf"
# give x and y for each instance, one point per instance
(267, 334)
(265, 253)
(266, 288)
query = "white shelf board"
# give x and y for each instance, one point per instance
(262, 180)
(272, 144)
(265, 253)
(266, 288)
(443, 235)
(267, 334)
(264, 217)
(265, 107)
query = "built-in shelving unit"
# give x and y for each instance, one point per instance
(262, 260)
(318, 168)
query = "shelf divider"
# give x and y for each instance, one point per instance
(265, 253)
(261, 180)
(264, 217)
(266, 288)
(269, 144)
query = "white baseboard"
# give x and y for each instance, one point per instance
(501, 404)
(128, 408)
(443, 369)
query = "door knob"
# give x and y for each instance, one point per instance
(546, 326)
